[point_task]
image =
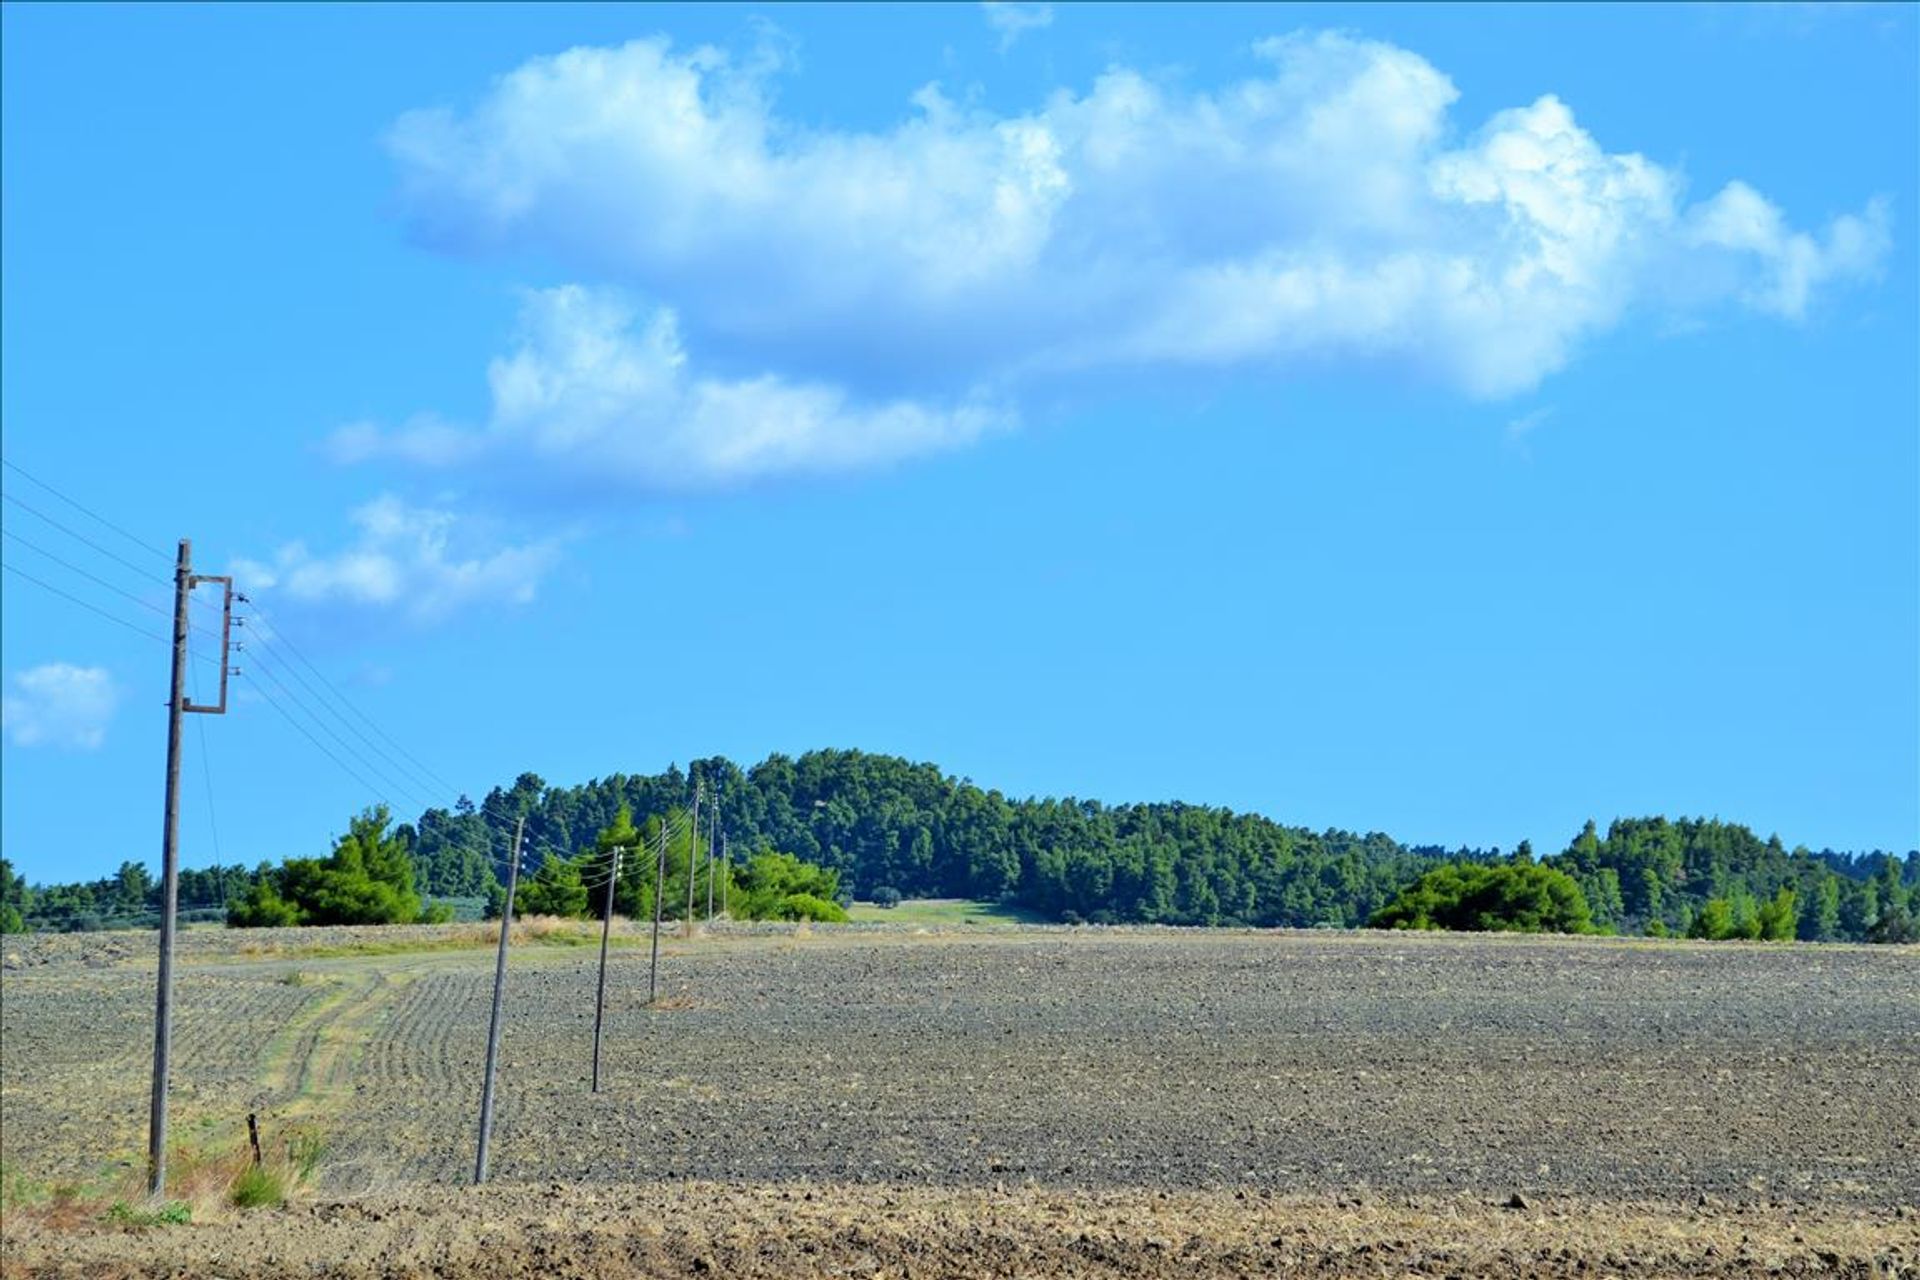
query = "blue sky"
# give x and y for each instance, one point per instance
(1458, 423)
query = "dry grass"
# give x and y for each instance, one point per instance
(202, 1187)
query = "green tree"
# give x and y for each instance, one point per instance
(556, 889)
(1714, 921)
(779, 886)
(1779, 917)
(1501, 897)
(261, 906)
(14, 900)
(367, 879)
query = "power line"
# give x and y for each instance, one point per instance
(162, 610)
(388, 786)
(85, 510)
(283, 639)
(118, 590)
(269, 638)
(131, 626)
(274, 703)
(71, 532)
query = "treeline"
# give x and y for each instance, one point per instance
(882, 823)
(885, 824)
(128, 899)
(1706, 878)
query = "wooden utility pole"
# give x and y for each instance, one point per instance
(693, 844)
(726, 880)
(713, 846)
(659, 892)
(600, 1000)
(493, 1025)
(178, 705)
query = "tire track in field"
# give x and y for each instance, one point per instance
(308, 1068)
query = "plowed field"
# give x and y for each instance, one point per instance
(1006, 1101)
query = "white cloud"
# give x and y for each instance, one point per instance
(1013, 20)
(596, 391)
(871, 284)
(403, 559)
(61, 705)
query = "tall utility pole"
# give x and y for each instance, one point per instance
(713, 836)
(727, 879)
(659, 892)
(600, 1000)
(693, 844)
(178, 705)
(493, 1025)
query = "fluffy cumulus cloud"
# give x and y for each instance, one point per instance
(876, 294)
(600, 390)
(59, 705)
(420, 561)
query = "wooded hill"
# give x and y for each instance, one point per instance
(882, 823)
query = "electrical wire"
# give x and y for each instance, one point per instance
(269, 639)
(71, 532)
(318, 745)
(162, 610)
(390, 787)
(137, 541)
(282, 638)
(48, 586)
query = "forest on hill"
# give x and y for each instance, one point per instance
(884, 823)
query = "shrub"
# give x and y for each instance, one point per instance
(805, 906)
(779, 886)
(1715, 922)
(168, 1215)
(886, 896)
(1500, 897)
(258, 1187)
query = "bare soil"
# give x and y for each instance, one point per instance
(1044, 1102)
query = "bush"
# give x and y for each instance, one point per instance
(258, 1187)
(779, 886)
(168, 1215)
(1715, 921)
(1500, 897)
(804, 906)
(886, 896)
(367, 879)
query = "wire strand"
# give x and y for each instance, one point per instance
(11, 465)
(389, 786)
(110, 617)
(269, 640)
(274, 703)
(71, 532)
(281, 637)
(162, 610)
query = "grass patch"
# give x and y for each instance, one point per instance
(537, 931)
(258, 1187)
(303, 1155)
(174, 1214)
(942, 911)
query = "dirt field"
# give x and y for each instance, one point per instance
(1012, 1101)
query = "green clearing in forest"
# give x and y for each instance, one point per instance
(943, 911)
